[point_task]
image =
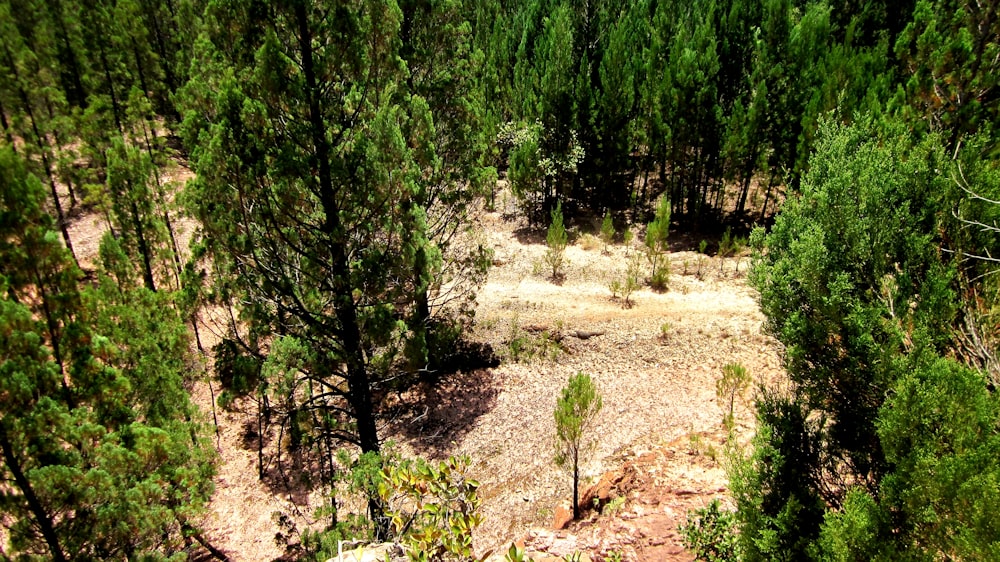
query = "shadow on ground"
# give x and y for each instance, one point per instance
(435, 413)
(531, 235)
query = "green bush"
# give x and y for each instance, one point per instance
(711, 534)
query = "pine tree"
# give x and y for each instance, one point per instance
(29, 74)
(556, 240)
(96, 431)
(949, 51)
(133, 203)
(328, 188)
(576, 412)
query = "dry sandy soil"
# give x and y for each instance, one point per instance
(655, 364)
(658, 389)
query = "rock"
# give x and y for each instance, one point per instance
(561, 518)
(598, 495)
(539, 540)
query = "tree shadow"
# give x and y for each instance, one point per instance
(432, 414)
(531, 234)
(289, 472)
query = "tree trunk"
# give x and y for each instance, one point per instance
(42, 519)
(79, 94)
(767, 197)
(421, 310)
(40, 141)
(147, 263)
(162, 200)
(115, 106)
(260, 439)
(192, 532)
(576, 485)
(59, 149)
(6, 128)
(359, 392)
(747, 173)
(161, 48)
(139, 69)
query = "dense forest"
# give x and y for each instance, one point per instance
(338, 149)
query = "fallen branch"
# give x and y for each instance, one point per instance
(586, 334)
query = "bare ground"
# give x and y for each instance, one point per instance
(658, 384)
(655, 363)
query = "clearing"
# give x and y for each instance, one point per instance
(655, 364)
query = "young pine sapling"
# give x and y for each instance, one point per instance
(556, 240)
(575, 414)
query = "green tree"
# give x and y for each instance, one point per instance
(448, 149)
(615, 106)
(825, 269)
(949, 54)
(556, 241)
(734, 382)
(607, 231)
(99, 441)
(575, 414)
(883, 434)
(328, 189)
(24, 72)
(655, 242)
(133, 205)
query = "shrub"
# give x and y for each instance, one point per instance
(656, 245)
(589, 242)
(702, 257)
(631, 282)
(433, 507)
(710, 533)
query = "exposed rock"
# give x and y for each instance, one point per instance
(561, 518)
(606, 489)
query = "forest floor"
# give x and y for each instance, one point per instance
(656, 363)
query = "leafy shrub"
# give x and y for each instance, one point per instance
(711, 534)
(433, 507)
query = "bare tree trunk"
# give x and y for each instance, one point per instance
(42, 519)
(576, 485)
